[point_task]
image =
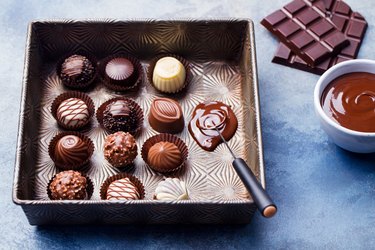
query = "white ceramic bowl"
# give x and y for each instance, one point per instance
(359, 142)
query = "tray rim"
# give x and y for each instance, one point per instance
(21, 122)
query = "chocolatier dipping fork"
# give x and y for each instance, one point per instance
(260, 196)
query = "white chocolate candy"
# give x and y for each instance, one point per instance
(171, 189)
(169, 75)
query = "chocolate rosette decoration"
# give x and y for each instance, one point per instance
(206, 118)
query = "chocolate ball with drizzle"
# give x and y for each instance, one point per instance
(77, 71)
(120, 115)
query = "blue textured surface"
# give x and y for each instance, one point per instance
(325, 195)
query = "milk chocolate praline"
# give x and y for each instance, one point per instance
(164, 156)
(120, 149)
(77, 71)
(166, 116)
(164, 153)
(71, 150)
(68, 185)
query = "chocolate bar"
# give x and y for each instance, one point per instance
(352, 24)
(303, 27)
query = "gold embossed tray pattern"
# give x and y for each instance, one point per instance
(222, 56)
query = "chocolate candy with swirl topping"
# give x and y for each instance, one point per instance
(71, 150)
(206, 117)
(122, 189)
(166, 116)
(120, 115)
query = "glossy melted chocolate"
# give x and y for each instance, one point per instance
(206, 117)
(350, 101)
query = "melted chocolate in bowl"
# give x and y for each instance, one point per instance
(206, 117)
(349, 100)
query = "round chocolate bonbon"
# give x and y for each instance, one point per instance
(120, 115)
(120, 149)
(122, 189)
(164, 156)
(71, 150)
(120, 71)
(73, 112)
(77, 71)
(68, 185)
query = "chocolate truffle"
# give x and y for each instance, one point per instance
(71, 150)
(171, 189)
(120, 71)
(120, 149)
(164, 156)
(122, 189)
(73, 112)
(77, 71)
(169, 75)
(68, 185)
(166, 116)
(120, 115)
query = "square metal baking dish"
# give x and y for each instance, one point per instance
(222, 55)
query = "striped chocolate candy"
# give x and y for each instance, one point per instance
(122, 189)
(73, 112)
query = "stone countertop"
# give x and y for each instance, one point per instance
(325, 195)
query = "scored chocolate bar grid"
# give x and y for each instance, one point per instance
(304, 28)
(352, 24)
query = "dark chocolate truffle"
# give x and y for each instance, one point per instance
(122, 189)
(164, 156)
(120, 115)
(166, 116)
(73, 112)
(120, 149)
(71, 150)
(77, 71)
(68, 185)
(120, 71)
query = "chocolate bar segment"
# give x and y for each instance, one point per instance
(304, 28)
(352, 24)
